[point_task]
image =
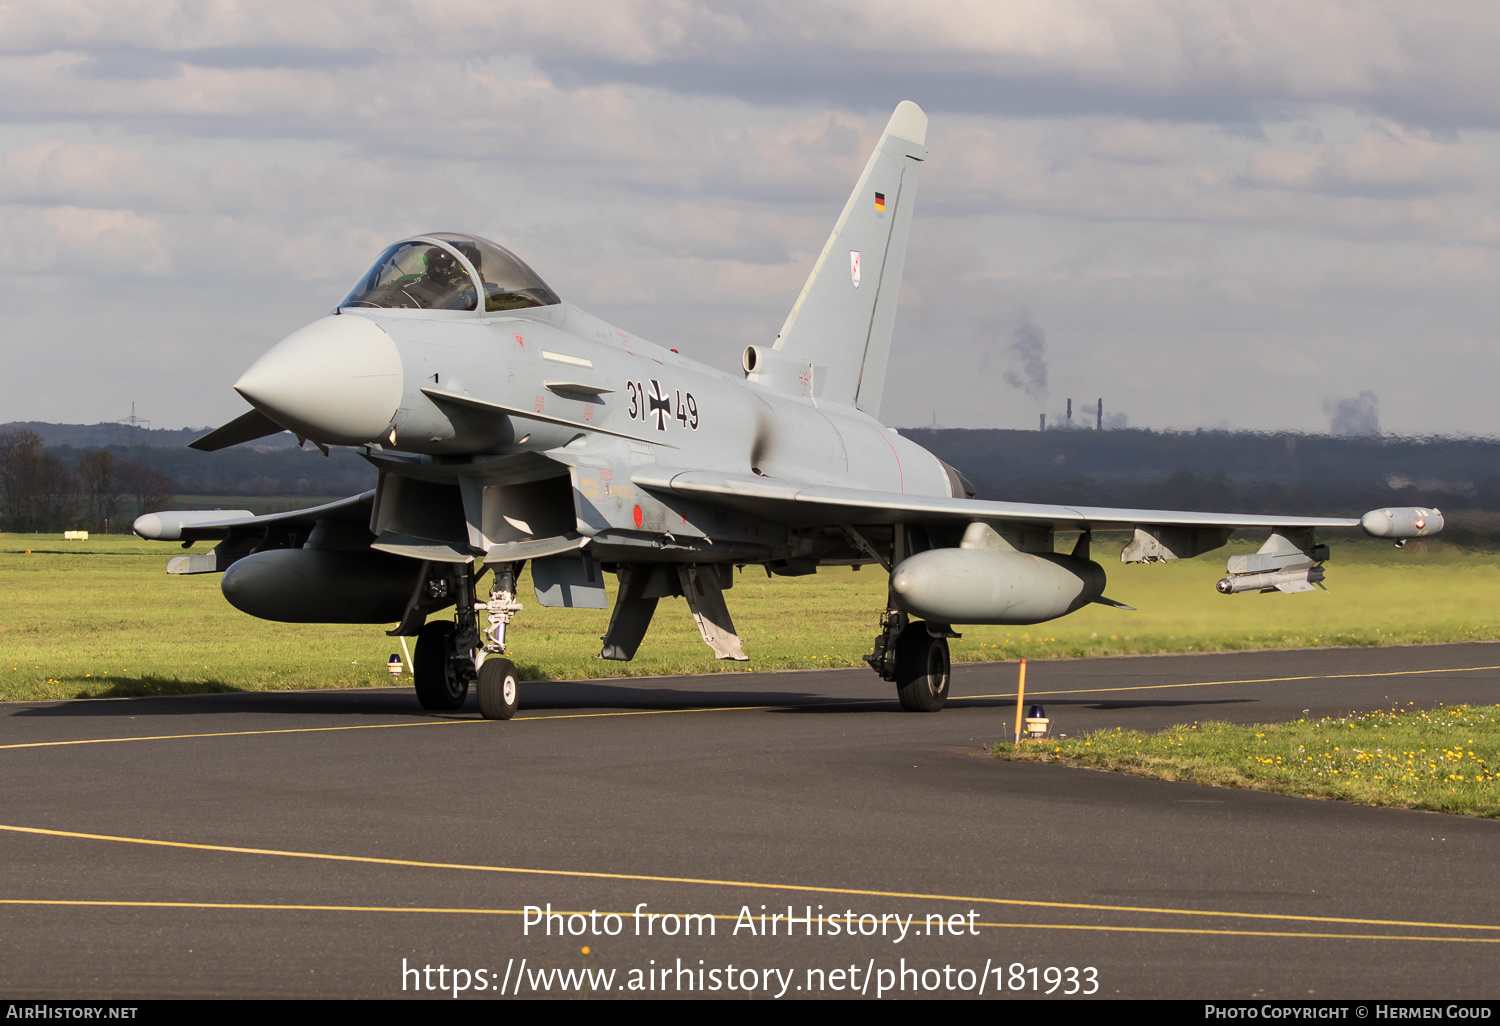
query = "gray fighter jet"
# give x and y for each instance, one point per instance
(510, 427)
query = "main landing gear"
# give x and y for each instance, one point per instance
(914, 655)
(442, 678)
(451, 655)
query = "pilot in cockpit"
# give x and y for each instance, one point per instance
(414, 274)
(442, 277)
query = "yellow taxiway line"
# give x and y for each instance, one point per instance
(725, 708)
(377, 726)
(749, 884)
(421, 910)
(1260, 680)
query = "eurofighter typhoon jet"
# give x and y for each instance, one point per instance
(508, 427)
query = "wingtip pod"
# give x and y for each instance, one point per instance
(1402, 522)
(169, 524)
(150, 526)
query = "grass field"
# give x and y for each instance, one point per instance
(1444, 759)
(102, 618)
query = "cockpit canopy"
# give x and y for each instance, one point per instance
(447, 271)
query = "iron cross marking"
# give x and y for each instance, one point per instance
(661, 405)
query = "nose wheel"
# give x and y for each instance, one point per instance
(497, 688)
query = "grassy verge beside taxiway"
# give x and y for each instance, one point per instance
(101, 618)
(1445, 759)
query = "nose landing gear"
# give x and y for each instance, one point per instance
(452, 654)
(497, 675)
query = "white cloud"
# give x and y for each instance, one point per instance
(1386, 160)
(79, 242)
(1134, 142)
(1180, 194)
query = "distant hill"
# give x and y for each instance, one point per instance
(1208, 470)
(98, 436)
(247, 470)
(273, 466)
(1323, 475)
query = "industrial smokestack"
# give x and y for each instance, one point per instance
(1043, 425)
(1070, 412)
(1099, 417)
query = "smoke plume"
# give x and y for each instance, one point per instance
(1028, 370)
(1356, 416)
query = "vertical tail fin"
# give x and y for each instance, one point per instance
(841, 323)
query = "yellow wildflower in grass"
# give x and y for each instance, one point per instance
(1377, 764)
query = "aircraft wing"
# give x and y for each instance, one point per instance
(811, 505)
(199, 524)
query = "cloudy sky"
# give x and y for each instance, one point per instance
(1256, 215)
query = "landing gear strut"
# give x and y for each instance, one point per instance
(914, 658)
(453, 654)
(444, 663)
(883, 660)
(912, 654)
(497, 675)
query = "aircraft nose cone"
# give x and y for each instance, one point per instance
(336, 381)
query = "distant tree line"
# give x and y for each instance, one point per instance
(51, 488)
(247, 470)
(42, 492)
(1317, 475)
(61, 487)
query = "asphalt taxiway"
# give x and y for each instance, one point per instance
(317, 843)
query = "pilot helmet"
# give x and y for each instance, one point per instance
(441, 266)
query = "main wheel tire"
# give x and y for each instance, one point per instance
(921, 669)
(440, 688)
(497, 688)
